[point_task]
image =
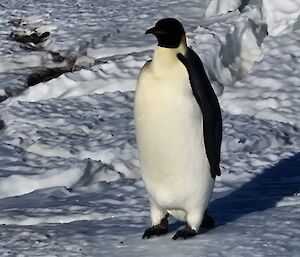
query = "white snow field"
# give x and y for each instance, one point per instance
(69, 170)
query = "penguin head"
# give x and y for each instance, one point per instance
(169, 32)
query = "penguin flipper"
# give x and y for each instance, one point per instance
(208, 102)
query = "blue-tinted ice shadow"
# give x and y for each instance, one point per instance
(261, 193)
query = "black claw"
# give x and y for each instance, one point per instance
(154, 231)
(157, 230)
(185, 233)
(208, 221)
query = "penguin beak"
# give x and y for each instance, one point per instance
(155, 31)
(150, 31)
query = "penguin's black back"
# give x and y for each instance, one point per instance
(208, 102)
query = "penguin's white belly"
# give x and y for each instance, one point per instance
(169, 130)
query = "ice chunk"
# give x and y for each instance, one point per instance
(218, 7)
(281, 15)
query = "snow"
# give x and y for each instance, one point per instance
(281, 15)
(269, 91)
(218, 7)
(69, 173)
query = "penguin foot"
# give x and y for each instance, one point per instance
(157, 230)
(207, 222)
(185, 233)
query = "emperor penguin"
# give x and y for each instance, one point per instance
(179, 132)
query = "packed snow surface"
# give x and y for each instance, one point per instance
(69, 173)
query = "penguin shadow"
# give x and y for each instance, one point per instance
(263, 192)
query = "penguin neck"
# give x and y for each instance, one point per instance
(164, 58)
